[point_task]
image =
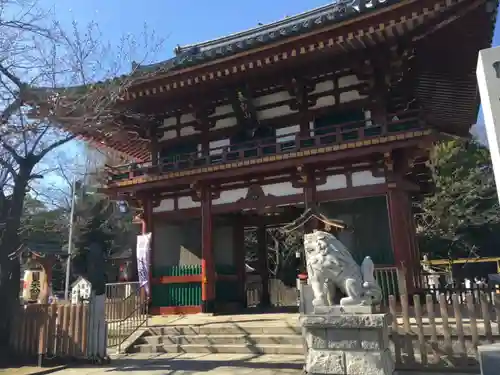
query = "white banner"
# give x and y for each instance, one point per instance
(143, 256)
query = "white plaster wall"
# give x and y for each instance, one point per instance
(223, 245)
(187, 202)
(169, 121)
(188, 130)
(187, 117)
(347, 81)
(274, 112)
(271, 98)
(231, 196)
(350, 96)
(222, 110)
(281, 189)
(324, 101)
(190, 250)
(323, 86)
(363, 178)
(225, 123)
(167, 244)
(289, 129)
(218, 143)
(170, 134)
(333, 182)
(177, 244)
(165, 205)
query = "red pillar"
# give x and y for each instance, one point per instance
(403, 234)
(207, 255)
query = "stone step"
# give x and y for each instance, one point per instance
(226, 329)
(227, 349)
(222, 340)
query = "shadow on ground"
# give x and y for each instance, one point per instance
(203, 363)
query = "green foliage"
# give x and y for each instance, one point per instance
(98, 221)
(462, 216)
(41, 226)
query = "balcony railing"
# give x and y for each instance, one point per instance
(324, 136)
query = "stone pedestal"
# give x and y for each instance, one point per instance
(347, 341)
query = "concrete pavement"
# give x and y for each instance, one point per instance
(192, 364)
(195, 364)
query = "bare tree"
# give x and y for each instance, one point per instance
(48, 77)
(281, 251)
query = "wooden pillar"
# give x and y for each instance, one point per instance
(403, 234)
(310, 199)
(207, 253)
(265, 299)
(378, 106)
(153, 146)
(239, 257)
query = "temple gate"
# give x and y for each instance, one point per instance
(337, 107)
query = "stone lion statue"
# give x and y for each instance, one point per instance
(330, 264)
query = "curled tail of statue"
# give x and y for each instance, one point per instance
(371, 287)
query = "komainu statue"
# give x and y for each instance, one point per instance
(329, 263)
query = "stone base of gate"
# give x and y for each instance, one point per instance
(347, 341)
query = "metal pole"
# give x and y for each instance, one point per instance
(70, 238)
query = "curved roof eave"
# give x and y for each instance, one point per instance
(341, 10)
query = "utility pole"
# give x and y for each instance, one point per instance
(70, 238)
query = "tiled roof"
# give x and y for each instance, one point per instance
(337, 11)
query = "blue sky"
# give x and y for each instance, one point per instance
(179, 22)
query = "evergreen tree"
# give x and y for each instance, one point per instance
(462, 216)
(99, 224)
(92, 235)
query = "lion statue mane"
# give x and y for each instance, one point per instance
(329, 264)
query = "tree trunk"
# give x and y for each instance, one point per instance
(10, 273)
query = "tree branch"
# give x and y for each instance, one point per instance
(53, 146)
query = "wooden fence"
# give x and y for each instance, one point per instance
(56, 330)
(429, 332)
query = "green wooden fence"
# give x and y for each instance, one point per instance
(189, 293)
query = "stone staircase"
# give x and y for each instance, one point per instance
(227, 338)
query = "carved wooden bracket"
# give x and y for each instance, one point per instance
(388, 162)
(256, 196)
(197, 191)
(305, 177)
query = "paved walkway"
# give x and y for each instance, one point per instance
(211, 364)
(192, 364)
(30, 370)
(206, 319)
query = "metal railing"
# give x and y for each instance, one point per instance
(391, 280)
(120, 290)
(323, 136)
(127, 314)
